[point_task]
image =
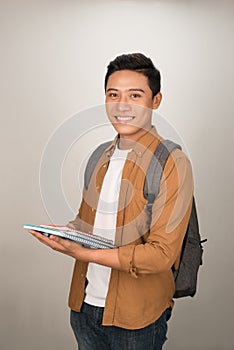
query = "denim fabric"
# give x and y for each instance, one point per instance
(91, 335)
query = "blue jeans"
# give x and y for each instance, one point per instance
(91, 335)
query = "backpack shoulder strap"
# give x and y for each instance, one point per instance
(155, 170)
(95, 156)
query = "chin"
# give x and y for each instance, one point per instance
(125, 129)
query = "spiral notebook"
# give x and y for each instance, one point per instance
(86, 239)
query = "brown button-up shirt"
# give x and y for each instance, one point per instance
(139, 294)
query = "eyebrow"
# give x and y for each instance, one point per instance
(132, 89)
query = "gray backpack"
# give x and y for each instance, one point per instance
(191, 256)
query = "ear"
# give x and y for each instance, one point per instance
(157, 100)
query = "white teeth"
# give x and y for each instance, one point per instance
(124, 118)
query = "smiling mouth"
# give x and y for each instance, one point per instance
(124, 119)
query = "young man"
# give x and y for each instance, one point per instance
(122, 298)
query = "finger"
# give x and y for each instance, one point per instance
(51, 241)
(70, 225)
(66, 243)
(40, 237)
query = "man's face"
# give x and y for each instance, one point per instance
(129, 103)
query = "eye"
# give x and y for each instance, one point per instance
(113, 95)
(135, 96)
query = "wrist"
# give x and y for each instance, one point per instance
(84, 254)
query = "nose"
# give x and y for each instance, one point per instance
(123, 104)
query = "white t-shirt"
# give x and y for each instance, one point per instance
(105, 225)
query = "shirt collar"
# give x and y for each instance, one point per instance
(110, 149)
(141, 145)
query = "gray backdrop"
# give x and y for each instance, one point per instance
(53, 60)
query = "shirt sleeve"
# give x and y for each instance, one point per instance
(170, 216)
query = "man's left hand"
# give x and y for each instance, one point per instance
(61, 245)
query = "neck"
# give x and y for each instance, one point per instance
(128, 142)
(125, 143)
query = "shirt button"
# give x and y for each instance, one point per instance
(92, 209)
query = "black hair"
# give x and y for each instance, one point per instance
(139, 63)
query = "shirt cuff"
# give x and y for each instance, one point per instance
(126, 256)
